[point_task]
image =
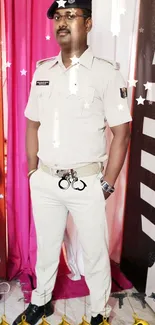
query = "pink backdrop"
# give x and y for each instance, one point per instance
(26, 31)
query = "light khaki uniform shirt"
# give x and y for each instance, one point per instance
(73, 106)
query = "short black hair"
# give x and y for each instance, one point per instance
(87, 13)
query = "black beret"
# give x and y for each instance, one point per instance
(82, 4)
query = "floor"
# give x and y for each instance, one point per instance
(75, 309)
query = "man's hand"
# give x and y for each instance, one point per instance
(32, 144)
(106, 195)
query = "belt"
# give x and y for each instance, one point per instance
(71, 176)
(84, 171)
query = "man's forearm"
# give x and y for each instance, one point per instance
(116, 159)
(32, 163)
(32, 148)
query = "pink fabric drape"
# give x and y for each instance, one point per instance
(26, 31)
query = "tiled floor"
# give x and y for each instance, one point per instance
(75, 309)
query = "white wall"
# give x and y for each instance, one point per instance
(102, 40)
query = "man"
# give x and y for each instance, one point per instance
(72, 98)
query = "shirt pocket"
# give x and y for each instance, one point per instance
(92, 105)
(43, 97)
(43, 92)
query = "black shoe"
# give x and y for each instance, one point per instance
(33, 313)
(98, 320)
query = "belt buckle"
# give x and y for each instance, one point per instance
(68, 172)
(61, 173)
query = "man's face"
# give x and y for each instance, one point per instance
(70, 28)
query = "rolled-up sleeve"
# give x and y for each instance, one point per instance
(31, 110)
(115, 100)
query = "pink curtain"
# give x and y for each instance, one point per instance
(26, 31)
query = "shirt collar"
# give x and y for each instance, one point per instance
(86, 59)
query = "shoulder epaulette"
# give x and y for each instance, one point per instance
(116, 65)
(39, 63)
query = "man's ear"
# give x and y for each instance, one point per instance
(88, 25)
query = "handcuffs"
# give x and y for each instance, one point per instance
(70, 178)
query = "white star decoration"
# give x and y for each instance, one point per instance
(74, 60)
(8, 64)
(141, 30)
(120, 107)
(56, 144)
(132, 82)
(86, 105)
(140, 100)
(23, 72)
(61, 3)
(48, 37)
(148, 86)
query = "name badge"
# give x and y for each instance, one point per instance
(42, 83)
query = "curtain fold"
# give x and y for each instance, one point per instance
(2, 161)
(26, 43)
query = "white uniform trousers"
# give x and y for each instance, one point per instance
(50, 209)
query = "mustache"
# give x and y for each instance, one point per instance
(62, 30)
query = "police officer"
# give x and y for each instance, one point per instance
(73, 97)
